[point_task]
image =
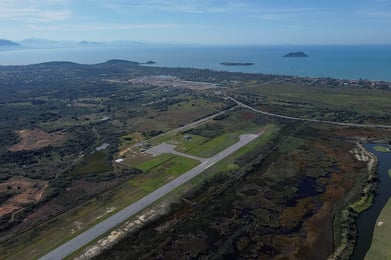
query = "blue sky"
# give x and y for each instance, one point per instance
(200, 21)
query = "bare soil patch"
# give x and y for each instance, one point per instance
(36, 139)
(23, 192)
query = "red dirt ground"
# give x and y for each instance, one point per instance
(23, 192)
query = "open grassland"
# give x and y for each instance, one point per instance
(161, 173)
(382, 149)
(165, 118)
(222, 133)
(157, 161)
(214, 146)
(380, 248)
(345, 104)
(356, 98)
(183, 145)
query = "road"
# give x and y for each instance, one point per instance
(111, 222)
(306, 119)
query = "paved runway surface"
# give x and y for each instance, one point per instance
(111, 222)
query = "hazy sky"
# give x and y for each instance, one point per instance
(200, 21)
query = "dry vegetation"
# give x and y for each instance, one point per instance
(36, 139)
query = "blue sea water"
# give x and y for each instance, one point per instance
(348, 62)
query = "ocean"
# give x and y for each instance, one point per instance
(345, 62)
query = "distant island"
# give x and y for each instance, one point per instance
(298, 54)
(150, 62)
(236, 63)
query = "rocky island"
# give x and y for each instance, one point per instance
(299, 54)
(236, 63)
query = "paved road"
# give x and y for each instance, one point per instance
(111, 222)
(169, 148)
(307, 119)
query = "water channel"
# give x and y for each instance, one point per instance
(367, 220)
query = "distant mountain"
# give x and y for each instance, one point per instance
(87, 43)
(40, 43)
(45, 43)
(298, 54)
(7, 43)
(37, 41)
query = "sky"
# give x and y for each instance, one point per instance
(227, 22)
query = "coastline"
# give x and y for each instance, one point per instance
(325, 61)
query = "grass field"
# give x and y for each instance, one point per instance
(215, 145)
(161, 173)
(146, 166)
(380, 247)
(183, 145)
(382, 149)
(361, 99)
(347, 103)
